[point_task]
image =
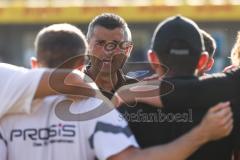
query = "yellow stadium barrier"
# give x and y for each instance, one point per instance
(19, 13)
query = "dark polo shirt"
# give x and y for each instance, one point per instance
(122, 80)
(153, 126)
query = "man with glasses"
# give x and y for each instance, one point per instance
(110, 45)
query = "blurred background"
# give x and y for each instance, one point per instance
(20, 20)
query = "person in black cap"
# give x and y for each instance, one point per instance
(178, 44)
(221, 149)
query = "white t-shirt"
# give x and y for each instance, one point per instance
(42, 135)
(18, 86)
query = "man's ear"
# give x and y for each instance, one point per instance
(34, 63)
(79, 63)
(202, 62)
(154, 60)
(209, 63)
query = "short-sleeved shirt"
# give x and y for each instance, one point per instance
(43, 135)
(153, 126)
(18, 86)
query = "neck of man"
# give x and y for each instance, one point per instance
(104, 80)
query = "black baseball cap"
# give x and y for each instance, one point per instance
(178, 36)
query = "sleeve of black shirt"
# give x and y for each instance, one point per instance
(235, 135)
(202, 92)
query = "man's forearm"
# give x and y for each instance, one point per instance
(179, 149)
(53, 82)
(184, 93)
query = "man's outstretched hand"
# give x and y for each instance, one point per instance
(145, 92)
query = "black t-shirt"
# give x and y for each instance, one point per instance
(153, 126)
(202, 92)
(194, 94)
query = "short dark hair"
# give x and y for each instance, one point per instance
(58, 43)
(209, 42)
(178, 44)
(109, 21)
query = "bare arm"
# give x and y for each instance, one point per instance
(145, 91)
(53, 82)
(202, 92)
(19, 86)
(176, 150)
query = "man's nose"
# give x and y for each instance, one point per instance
(113, 51)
